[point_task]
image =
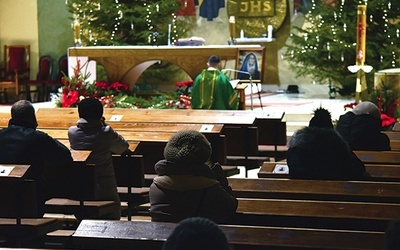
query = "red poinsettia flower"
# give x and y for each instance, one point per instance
(103, 85)
(118, 86)
(387, 120)
(69, 99)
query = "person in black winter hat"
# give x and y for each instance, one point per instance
(196, 233)
(188, 184)
(319, 152)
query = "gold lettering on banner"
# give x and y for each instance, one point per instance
(256, 8)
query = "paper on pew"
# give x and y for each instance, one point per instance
(281, 169)
(116, 118)
(206, 128)
(5, 170)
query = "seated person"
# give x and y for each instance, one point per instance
(188, 185)
(361, 128)
(21, 143)
(392, 235)
(91, 133)
(319, 152)
(212, 89)
(196, 233)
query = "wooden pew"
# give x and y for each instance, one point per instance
(276, 188)
(20, 221)
(129, 174)
(379, 157)
(378, 172)
(272, 130)
(344, 215)
(75, 193)
(151, 146)
(92, 234)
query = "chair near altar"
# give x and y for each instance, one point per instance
(15, 70)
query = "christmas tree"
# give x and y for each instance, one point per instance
(128, 22)
(326, 45)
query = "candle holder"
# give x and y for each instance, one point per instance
(360, 68)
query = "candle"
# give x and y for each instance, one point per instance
(270, 29)
(169, 34)
(77, 31)
(361, 34)
(232, 27)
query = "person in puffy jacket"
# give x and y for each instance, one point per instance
(361, 128)
(319, 152)
(91, 133)
(188, 185)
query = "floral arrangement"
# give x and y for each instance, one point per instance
(116, 94)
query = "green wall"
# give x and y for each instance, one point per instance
(55, 32)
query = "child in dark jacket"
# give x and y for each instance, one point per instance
(188, 185)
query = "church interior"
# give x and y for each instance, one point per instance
(308, 55)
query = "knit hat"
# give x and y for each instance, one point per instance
(322, 119)
(196, 233)
(367, 108)
(23, 113)
(189, 147)
(90, 109)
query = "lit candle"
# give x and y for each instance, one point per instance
(361, 34)
(77, 31)
(232, 27)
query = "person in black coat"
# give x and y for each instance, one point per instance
(188, 184)
(319, 152)
(21, 143)
(361, 128)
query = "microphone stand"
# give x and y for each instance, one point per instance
(251, 86)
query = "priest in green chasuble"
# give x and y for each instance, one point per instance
(212, 89)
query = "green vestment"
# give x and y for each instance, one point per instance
(213, 90)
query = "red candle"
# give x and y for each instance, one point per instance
(361, 34)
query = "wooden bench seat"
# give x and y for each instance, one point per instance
(381, 157)
(92, 234)
(74, 195)
(275, 188)
(378, 172)
(365, 216)
(29, 230)
(20, 219)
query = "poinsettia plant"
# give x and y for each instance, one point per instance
(116, 94)
(78, 87)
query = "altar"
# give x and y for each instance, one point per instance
(126, 63)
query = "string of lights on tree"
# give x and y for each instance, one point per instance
(325, 45)
(120, 22)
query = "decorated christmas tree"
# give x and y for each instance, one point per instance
(325, 45)
(127, 22)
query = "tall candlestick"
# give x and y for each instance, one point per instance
(77, 32)
(361, 34)
(169, 34)
(232, 27)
